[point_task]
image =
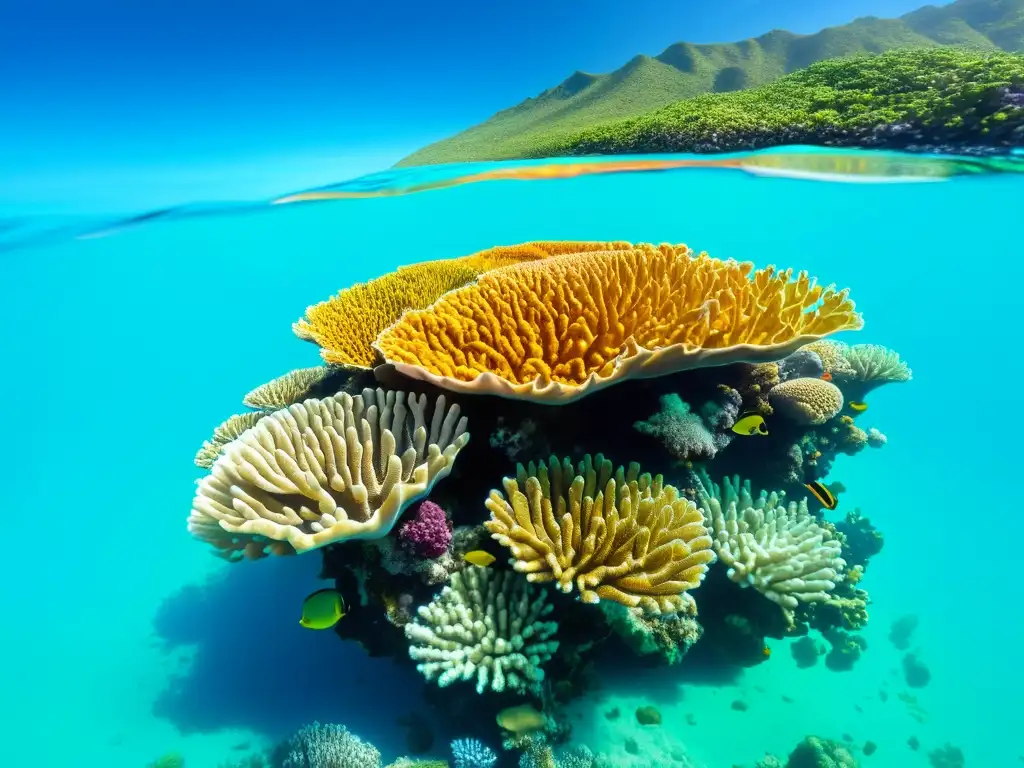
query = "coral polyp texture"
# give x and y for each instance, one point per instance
(326, 746)
(806, 401)
(557, 329)
(871, 365)
(779, 549)
(292, 387)
(345, 326)
(223, 434)
(485, 626)
(327, 470)
(618, 536)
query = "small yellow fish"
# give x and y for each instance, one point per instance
(322, 609)
(479, 557)
(858, 407)
(750, 424)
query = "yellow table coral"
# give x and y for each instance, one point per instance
(619, 536)
(553, 330)
(346, 325)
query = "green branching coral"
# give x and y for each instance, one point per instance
(669, 635)
(486, 626)
(870, 366)
(778, 548)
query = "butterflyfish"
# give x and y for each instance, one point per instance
(858, 407)
(479, 557)
(322, 609)
(750, 424)
(822, 494)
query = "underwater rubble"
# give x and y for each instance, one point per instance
(649, 476)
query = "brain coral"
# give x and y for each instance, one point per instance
(806, 401)
(323, 471)
(556, 329)
(345, 326)
(618, 536)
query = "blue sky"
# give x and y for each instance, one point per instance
(131, 104)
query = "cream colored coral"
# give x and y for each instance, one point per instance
(806, 401)
(777, 548)
(328, 470)
(292, 387)
(223, 434)
(832, 356)
(618, 536)
(875, 364)
(485, 625)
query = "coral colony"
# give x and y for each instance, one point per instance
(679, 416)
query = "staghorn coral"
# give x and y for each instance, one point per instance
(473, 753)
(779, 549)
(681, 431)
(806, 401)
(484, 625)
(557, 329)
(870, 366)
(292, 387)
(327, 746)
(619, 536)
(345, 326)
(223, 434)
(324, 471)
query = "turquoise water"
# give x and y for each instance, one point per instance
(125, 640)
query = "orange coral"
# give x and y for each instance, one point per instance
(556, 329)
(345, 325)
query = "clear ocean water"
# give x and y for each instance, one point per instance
(125, 640)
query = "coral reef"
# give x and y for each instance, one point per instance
(870, 366)
(667, 636)
(814, 752)
(223, 434)
(345, 326)
(778, 549)
(557, 329)
(473, 753)
(293, 387)
(624, 537)
(902, 630)
(324, 471)
(806, 401)
(485, 625)
(946, 756)
(326, 746)
(429, 533)
(683, 433)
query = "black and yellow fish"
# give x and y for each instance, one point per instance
(822, 494)
(751, 423)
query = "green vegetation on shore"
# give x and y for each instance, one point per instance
(924, 97)
(684, 70)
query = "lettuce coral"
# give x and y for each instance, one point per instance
(555, 330)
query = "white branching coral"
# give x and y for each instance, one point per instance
(484, 625)
(777, 548)
(324, 471)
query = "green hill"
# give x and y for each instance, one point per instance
(925, 97)
(685, 70)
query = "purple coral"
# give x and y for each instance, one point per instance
(428, 534)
